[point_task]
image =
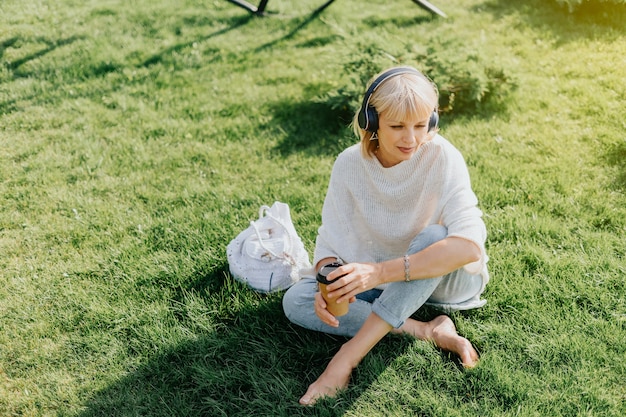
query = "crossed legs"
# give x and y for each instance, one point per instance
(367, 322)
(440, 330)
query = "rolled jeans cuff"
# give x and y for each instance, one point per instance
(387, 315)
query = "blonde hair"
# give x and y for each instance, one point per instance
(405, 95)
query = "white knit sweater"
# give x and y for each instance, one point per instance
(372, 213)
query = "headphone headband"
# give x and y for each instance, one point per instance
(368, 116)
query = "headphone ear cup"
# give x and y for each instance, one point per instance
(368, 119)
(362, 119)
(372, 116)
(433, 122)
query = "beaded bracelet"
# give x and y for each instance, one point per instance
(407, 273)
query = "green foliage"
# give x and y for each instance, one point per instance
(573, 5)
(465, 79)
(359, 68)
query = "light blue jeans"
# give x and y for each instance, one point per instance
(395, 303)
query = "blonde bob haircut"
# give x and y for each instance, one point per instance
(400, 97)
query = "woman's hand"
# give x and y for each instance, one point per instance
(322, 311)
(357, 278)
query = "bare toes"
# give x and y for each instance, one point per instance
(327, 385)
(445, 337)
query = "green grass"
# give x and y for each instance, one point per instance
(137, 138)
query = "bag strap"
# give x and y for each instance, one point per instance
(264, 212)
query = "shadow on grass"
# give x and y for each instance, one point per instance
(160, 56)
(251, 361)
(87, 70)
(589, 20)
(15, 67)
(51, 45)
(4, 45)
(372, 22)
(399, 21)
(315, 128)
(616, 156)
(238, 369)
(310, 127)
(297, 29)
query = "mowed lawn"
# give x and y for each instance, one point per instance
(138, 137)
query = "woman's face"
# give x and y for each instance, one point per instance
(398, 140)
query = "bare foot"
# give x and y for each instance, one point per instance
(445, 336)
(333, 379)
(442, 331)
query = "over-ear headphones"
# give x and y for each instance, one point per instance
(368, 116)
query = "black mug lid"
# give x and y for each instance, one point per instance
(327, 269)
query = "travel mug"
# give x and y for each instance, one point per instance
(336, 309)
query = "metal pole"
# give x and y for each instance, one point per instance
(246, 5)
(261, 7)
(429, 7)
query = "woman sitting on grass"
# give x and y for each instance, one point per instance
(401, 217)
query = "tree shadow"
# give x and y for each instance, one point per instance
(252, 361)
(616, 156)
(242, 357)
(589, 20)
(234, 370)
(310, 127)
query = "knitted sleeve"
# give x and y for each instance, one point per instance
(460, 213)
